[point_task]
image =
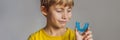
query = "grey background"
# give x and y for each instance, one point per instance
(20, 18)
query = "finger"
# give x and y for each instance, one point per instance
(87, 35)
(91, 39)
(86, 31)
(76, 31)
(89, 32)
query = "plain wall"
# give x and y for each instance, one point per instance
(20, 18)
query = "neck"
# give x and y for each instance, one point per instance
(51, 30)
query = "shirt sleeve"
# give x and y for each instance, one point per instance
(31, 37)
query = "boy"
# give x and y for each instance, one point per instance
(58, 13)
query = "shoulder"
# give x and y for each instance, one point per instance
(34, 35)
(71, 33)
(70, 30)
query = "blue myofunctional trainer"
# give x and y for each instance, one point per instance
(85, 27)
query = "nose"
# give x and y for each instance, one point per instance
(65, 15)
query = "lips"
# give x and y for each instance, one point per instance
(62, 22)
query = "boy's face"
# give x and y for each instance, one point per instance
(59, 15)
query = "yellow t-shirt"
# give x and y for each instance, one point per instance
(41, 35)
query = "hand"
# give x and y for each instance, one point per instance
(87, 35)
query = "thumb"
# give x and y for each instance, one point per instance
(77, 32)
(78, 35)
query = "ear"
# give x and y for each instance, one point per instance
(44, 10)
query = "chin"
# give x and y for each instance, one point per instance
(62, 25)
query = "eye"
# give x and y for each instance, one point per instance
(69, 10)
(59, 10)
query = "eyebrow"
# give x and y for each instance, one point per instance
(62, 8)
(59, 8)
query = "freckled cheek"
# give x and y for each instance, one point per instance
(69, 16)
(57, 16)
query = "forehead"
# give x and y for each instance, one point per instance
(61, 6)
(64, 3)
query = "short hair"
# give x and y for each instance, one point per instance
(48, 3)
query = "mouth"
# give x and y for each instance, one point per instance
(63, 22)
